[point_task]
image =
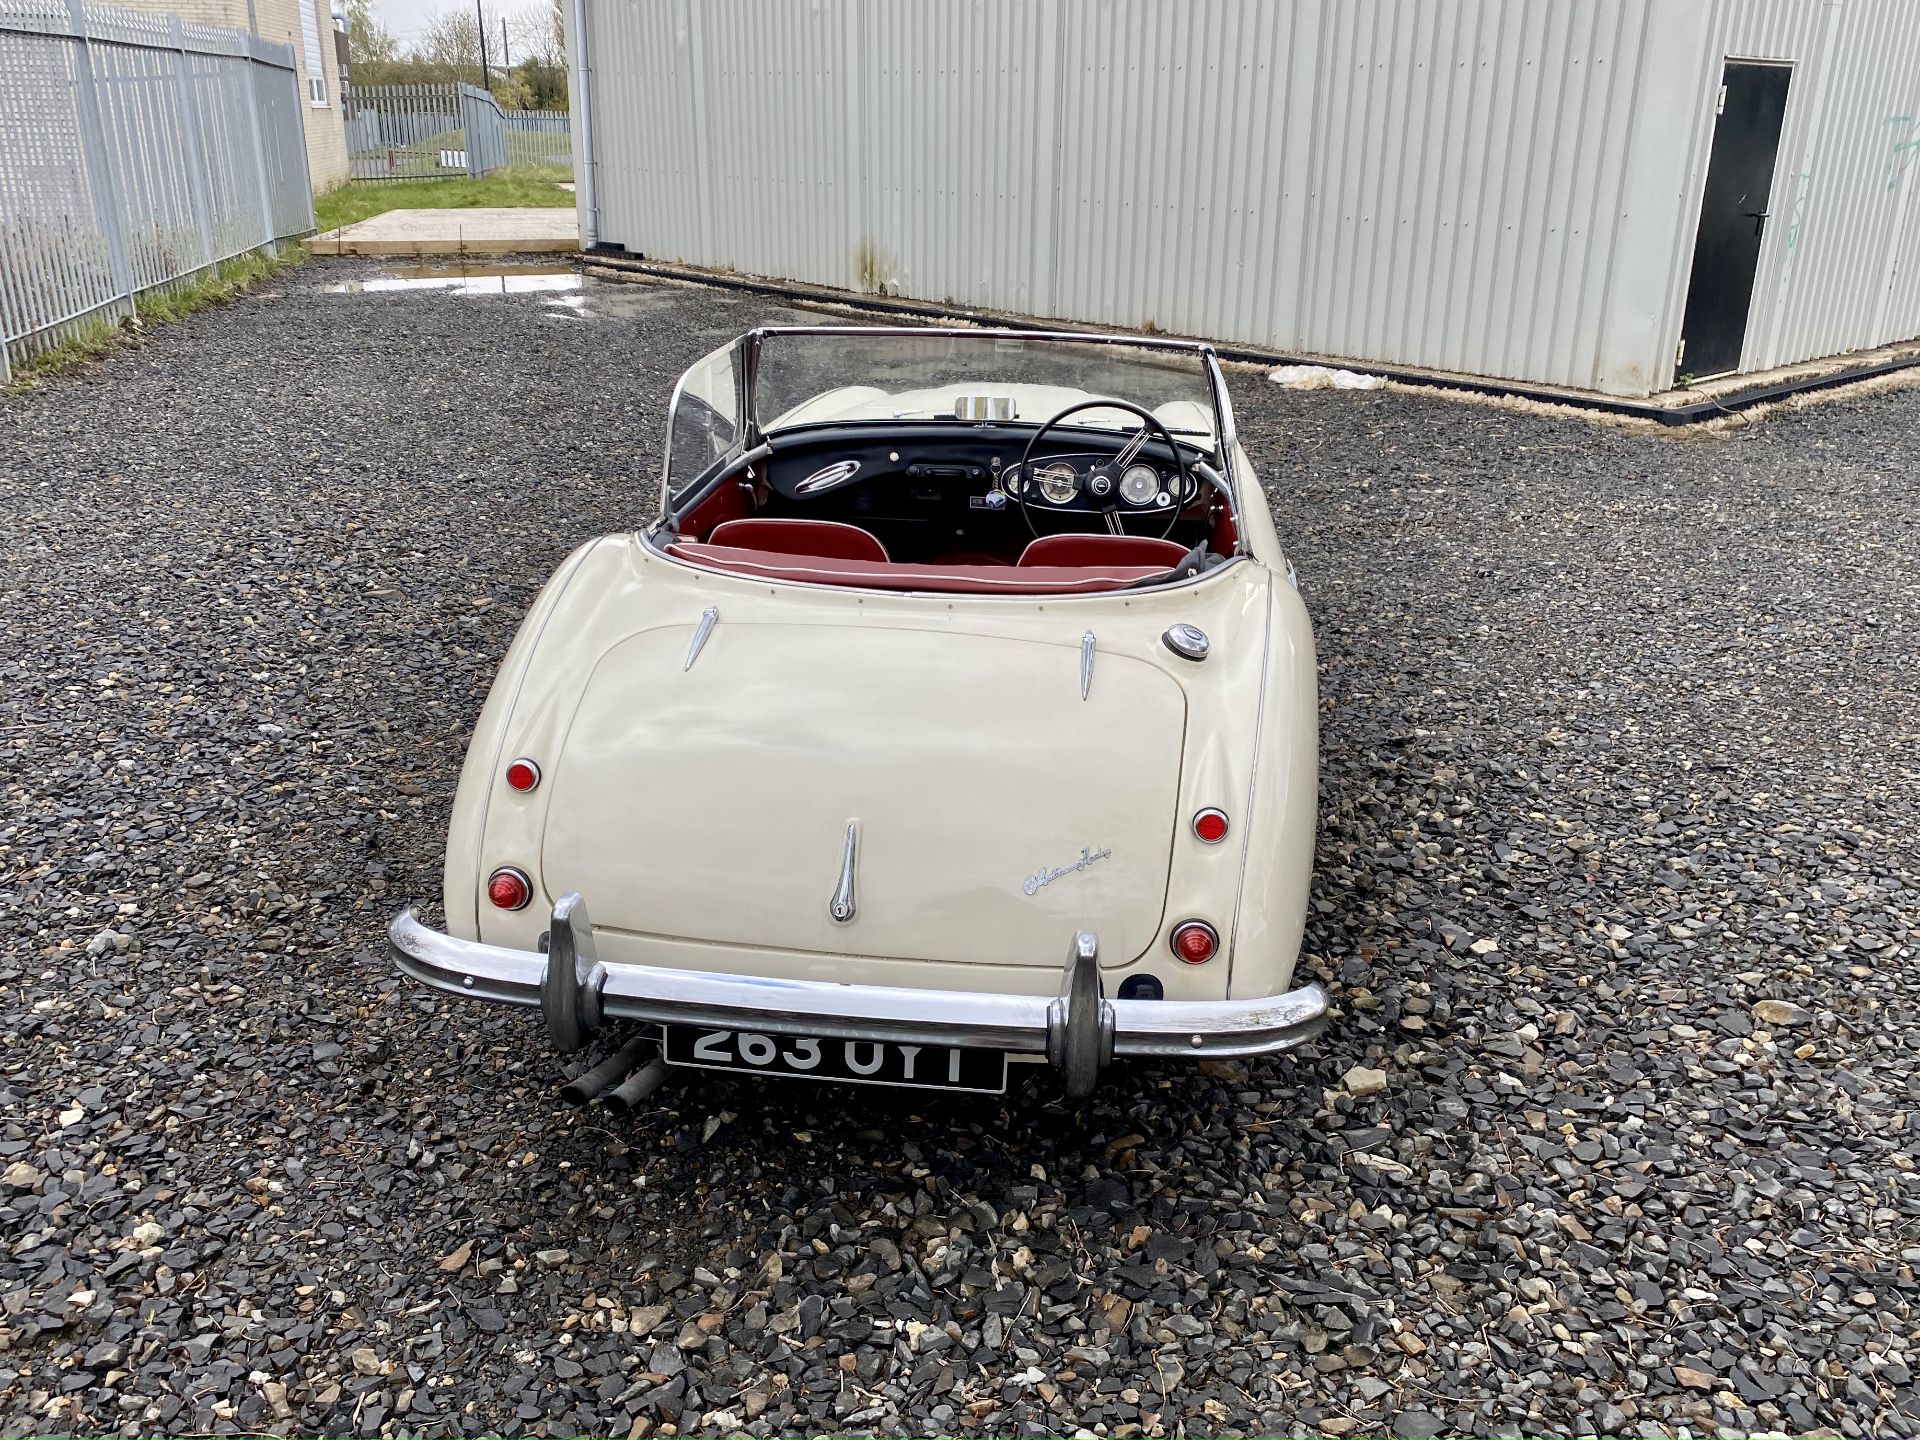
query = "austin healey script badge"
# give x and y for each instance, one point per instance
(1047, 877)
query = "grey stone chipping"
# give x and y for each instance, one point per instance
(1638, 709)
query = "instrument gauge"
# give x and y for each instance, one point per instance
(1139, 485)
(1057, 482)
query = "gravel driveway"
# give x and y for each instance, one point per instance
(1618, 885)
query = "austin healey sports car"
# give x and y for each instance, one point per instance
(956, 708)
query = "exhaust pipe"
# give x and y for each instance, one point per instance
(587, 1085)
(637, 1087)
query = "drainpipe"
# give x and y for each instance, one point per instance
(579, 103)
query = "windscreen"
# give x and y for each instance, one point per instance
(704, 421)
(849, 376)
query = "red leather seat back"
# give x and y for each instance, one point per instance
(1099, 550)
(825, 539)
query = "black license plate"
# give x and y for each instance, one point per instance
(858, 1062)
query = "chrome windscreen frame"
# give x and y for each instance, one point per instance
(745, 350)
(751, 438)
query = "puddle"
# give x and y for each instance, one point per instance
(467, 283)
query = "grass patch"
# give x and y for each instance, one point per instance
(517, 187)
(165, 305)
(230, 278)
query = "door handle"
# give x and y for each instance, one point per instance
(1759, 218)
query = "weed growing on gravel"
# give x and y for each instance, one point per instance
(163, 306)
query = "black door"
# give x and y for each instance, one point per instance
(1733, 216)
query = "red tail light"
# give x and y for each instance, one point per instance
(523, 775)
(509, 889)
(1195, 941)
(1211, 825)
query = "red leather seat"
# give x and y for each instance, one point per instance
(823, 539)
(1099, 550)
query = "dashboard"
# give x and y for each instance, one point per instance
(980, 468)
(1086, 482)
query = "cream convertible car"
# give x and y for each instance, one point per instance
(958, 708)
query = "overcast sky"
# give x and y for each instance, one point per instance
(407, 18)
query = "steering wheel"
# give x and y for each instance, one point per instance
(1101, 483)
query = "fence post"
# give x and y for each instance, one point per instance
(300, 143)
(486, 129)
(93, 140)
(192, 151)
(470, 122)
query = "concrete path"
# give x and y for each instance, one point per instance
(533, 230)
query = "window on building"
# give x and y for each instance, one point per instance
(316, 75)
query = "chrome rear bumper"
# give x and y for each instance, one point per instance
(1078, 1031)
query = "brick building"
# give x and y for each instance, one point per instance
(308, 26)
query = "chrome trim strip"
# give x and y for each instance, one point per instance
(1226, 436)
(666, 458)
(746, 375)
(828, 477)
(708, 617)
(1140, 342)
(841, 906)
(1020, 1024)
(1086, 664)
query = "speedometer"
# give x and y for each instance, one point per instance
(1056, 482)
(1140, 484)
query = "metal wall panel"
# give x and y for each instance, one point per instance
(1501, 187)
(1841, 268)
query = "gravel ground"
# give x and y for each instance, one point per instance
(1618, 887)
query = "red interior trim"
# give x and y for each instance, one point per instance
(1103, 550)
(833, 539)
(730, 500)
(874, 575)
(1226, 536)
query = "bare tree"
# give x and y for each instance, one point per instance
(540, 45)
(538, 33)
(369, 42)
(447, 48)
(450, 39)
(371, 47)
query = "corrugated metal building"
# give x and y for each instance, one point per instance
(1554, 191)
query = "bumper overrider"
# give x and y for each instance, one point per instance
(1078, 1030)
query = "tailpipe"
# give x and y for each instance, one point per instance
(587, 1086)
(627, 1097)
